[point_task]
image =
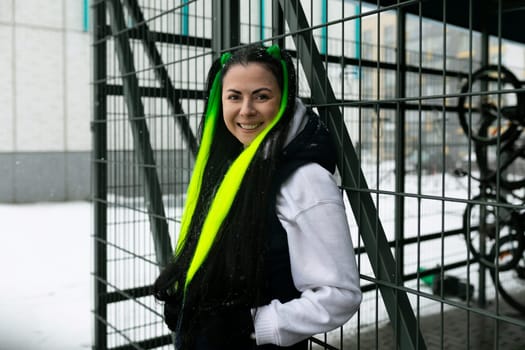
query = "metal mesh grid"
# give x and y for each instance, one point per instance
(396, 78)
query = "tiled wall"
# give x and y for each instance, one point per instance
(45, 100)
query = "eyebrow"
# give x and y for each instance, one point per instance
(253, 92)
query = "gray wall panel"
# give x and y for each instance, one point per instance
(78, 175)
(44, 176)
(7, 164)
(59, 176)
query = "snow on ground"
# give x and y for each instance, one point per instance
(45, 272)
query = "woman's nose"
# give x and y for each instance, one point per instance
(247, 108)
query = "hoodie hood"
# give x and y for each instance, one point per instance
(309, 140)
(298, 121)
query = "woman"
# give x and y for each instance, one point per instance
(264, 258)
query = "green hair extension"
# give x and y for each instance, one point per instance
(231, 183)
(194, 186)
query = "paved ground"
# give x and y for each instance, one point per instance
(455, 329)
(459, 329)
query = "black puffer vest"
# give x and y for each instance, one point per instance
(312, 145)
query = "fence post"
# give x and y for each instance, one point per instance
(226, 25)
(277, 23)
(399, 230)
(99, 159)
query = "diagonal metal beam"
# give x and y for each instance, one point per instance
(162, 74)
(372, 232)
(141, 137)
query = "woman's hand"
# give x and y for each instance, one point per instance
(171, 314)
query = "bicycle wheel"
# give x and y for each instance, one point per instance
(508, 158)
(491, 112)
(487, 223)
(509, 283)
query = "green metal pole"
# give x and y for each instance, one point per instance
(99, 163)
(262, 18)
(399, 225)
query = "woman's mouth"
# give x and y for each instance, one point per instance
(249, 126)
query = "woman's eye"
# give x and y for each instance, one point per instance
(232, 97)
(262, 97)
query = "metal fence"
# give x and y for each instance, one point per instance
(415, 122)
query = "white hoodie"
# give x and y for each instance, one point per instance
(310, 209)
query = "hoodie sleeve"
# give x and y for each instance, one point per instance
(310, 208)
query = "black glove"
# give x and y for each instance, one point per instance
(163, 290)
(171, 314)
(229, 327)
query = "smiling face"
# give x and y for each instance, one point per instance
(251, 98)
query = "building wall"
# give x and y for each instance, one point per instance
(45, 101)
